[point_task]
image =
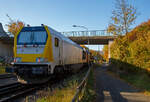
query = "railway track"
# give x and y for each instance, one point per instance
(12, 91)
(3, 88)
(16, 90)
(4, 76)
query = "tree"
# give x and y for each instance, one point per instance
(105, 51)
(123, 16)
(132, 51)
(14, 25)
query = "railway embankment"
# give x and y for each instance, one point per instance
(63, 94)
(89, 94)
(69, 90)
(2, 69)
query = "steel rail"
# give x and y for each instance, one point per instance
(8, 85)
(3, 76)
(13, 91)
(17, 94)
(9, 88)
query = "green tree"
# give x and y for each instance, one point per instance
(123, 16)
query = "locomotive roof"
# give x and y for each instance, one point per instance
(52, 31)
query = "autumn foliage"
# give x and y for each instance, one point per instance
(123, 16)
(15, 26)
(105, 50)
(133, 48)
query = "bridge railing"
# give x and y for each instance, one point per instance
(87, 33)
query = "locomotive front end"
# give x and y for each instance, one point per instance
(32, 54)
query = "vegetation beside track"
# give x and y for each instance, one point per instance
(131, 53)
(139, 80)
(66, 93)
(89, 94)
(2, 69)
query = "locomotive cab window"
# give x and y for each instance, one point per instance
(56, 42)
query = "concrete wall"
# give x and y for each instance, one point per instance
(109, 44)
(6, 50)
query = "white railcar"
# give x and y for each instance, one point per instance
(40, 52)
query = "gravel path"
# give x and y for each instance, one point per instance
(112, 89)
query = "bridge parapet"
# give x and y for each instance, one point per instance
(91, 33)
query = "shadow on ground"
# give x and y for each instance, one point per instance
(112, 89)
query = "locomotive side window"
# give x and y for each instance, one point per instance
(84, 55)
(56, 42)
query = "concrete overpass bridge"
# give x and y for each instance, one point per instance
(92, 37)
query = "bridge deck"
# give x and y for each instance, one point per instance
(96, 40)
(87, 33)
(94, 37)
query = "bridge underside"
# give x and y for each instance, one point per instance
(96, 40)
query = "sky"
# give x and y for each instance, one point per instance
(62, 14)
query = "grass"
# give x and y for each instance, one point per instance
(89, 94)
(65, 94)
(2, 69)
(139, 80)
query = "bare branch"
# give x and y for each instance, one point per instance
(123, 16)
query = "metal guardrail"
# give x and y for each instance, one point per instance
(81, 87)
(87, 33)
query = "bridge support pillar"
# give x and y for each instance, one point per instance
(109, 45)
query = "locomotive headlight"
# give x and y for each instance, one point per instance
(41, 59)
(17, 59)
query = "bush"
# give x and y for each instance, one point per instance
(132, 51)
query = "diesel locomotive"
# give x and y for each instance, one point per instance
(40, 52)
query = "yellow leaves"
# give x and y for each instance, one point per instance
(15, 26)
(105, 50)
(134, 48)
(115, 19)
(123, 16)
(131, 36)
(148, 38)
(111, 28)
(147, 93)
(148, 70)
(96, 54)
